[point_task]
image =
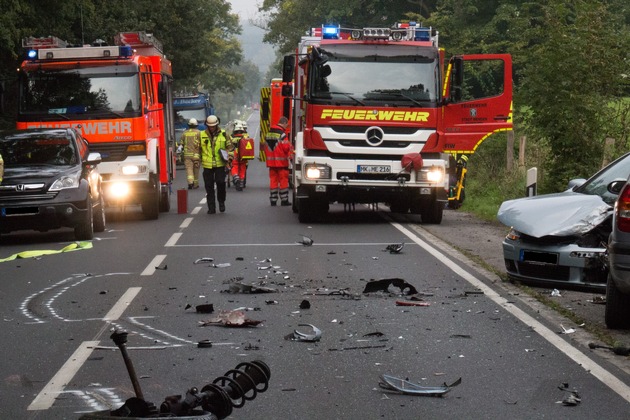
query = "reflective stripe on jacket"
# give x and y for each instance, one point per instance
(191, 140)
(278, 155)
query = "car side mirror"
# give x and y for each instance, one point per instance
(616, 186)
(94, 159)
(574, 183)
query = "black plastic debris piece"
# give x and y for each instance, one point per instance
(305, 304)
(374, 334)
(394, 286)
(573, 398)
(161, 267)
(395, 248)
(306, 240)
(473, 292)
(271, 302)
(206, 308)
(403, 386)
(248, 288)
(188, 306)
(204, 344)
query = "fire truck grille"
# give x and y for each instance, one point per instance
(387, 130)
(363, 143)
(372, 177)
(110, 152)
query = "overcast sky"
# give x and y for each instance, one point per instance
(254, 49)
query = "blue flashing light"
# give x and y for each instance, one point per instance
(32, 54)
(423, 34)
(125, 51)
(330, 32)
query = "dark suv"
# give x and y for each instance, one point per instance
(50, 181)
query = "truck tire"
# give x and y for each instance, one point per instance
(306, 212)
(84, 231)
(165, 201)
(432, 212)
(99, 214)
(399, 205)
(151, 202)
(617, 312)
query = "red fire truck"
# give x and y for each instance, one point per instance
(273, 105)
(379, 115)
(120, 98)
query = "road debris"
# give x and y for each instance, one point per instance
(203, 260)
(555, 293)
(238, 287)
(391, 383)
(573, 398)
(305, 304)
(395, 248)
(410, 303)
(161, 267)
(393, 286)
(206, 308)
(204, 344)
(230, 319)
(316, 335)
(618, 348)
(306, 240)
(566, 330)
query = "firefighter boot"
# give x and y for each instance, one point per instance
(212, 208)
(239, 185)
(190, 186)
(222, 206)
(285, 203)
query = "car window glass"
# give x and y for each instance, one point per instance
(598, 183)
(39, 151)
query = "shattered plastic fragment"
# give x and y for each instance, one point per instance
(306, 240)
(231, 319)
(567, 330)
(203, 260)
(395, 248)
(395, 286)
(555, 293)
(310, 338)
(392, 383)
(207, 308)
(407, 303)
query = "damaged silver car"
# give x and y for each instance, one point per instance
(559, 240)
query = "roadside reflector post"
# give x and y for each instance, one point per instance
(532, 176)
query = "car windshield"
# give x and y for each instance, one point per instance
(598, 183)
(42, 150)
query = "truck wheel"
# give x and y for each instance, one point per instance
(416, 205)
(151, 202)
(165, 201)
(617, 313)
(432, 212)
(84, 231)
(399, 205)
(99, 214)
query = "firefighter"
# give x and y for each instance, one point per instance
(278, 150)
(243, 153)
(216, 154)
(191, 143)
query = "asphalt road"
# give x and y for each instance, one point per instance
(141, 277)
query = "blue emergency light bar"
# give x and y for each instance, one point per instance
(330, 32)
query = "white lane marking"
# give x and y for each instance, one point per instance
(125, 300)
(173, 239)
(577, 356)
(55, 386)
(46, 397)
(186, 223)
(150, 269)
(203, 201)
(196, 210)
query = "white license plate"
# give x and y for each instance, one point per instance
(374, 169)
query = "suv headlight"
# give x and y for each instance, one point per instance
(70, 180)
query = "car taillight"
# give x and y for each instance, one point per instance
(623, 209)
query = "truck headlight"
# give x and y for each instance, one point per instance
(119, 190)
(317, 171)
(435, 174)
(133, 169)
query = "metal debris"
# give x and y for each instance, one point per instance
(408, 303)
(403, 386)
(230, 319)
(248, 288)
(203, 260)
(394, 286)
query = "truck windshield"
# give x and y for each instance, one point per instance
(87, 93)
(393, 79)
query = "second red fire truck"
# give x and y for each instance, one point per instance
(379, 115)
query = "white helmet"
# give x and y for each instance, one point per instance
(239, 126)
(193, 122)
(212, 121)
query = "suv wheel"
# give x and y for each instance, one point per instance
(99, 214)
(617, 314)
(84, 231)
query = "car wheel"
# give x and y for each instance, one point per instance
(99, 215)
(84, 231)
(617, 313)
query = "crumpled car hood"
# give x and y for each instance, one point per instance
(562, 214)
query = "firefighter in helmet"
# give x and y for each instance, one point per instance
(191, 142)
(243, 153)
(279, 151)
(216, 154)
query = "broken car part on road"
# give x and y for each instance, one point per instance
(403, 386)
